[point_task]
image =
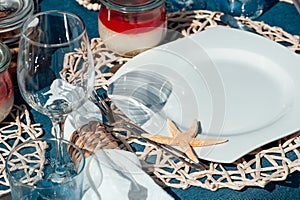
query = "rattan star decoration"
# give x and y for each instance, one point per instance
(185, 140)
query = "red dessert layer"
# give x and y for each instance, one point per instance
(141, 21)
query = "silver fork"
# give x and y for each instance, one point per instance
(136, 191)
(116, 123)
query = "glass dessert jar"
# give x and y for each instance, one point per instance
(129, 27)
(6, 85)
(12, 14)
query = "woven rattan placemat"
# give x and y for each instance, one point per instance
(272, 162)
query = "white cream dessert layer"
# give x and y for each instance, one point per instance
(131, 43)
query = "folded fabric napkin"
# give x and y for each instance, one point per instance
(111, 173)
(117, 174)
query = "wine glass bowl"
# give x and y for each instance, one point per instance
(46, 81)
(140, 94)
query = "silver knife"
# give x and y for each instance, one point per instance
(106, 110)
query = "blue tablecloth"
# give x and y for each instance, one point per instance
(276, 14)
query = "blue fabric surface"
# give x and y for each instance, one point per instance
(283, 15)
(280, 14)
(277, 14)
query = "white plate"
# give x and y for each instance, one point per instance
(250, 95)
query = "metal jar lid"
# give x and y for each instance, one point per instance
(132, 5)
(13, 12)
(12, 15)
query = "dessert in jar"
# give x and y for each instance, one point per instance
(129, 27)
(12, 15)
(6, 85)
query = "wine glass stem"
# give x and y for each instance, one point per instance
(58, 132)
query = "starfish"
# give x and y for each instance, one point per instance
(185, 140)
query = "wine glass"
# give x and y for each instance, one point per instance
(246, 8)
(50, 80)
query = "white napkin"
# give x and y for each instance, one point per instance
(110, 174)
